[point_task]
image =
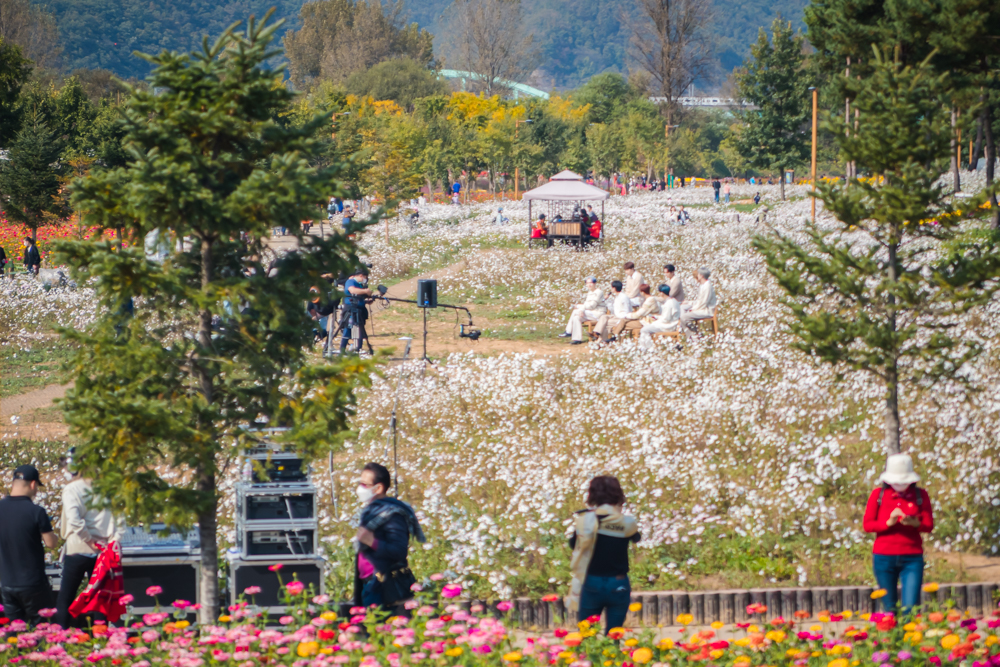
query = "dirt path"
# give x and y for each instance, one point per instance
(33, 400)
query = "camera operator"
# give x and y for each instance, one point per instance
(356, 294)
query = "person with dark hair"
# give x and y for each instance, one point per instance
(3, 262)
(620, 307)
(600, 554)
(674, 282)
(382, 573)
(632, 281)
(32, 260)
(25, 532)
(356, 293)
(898, 511)
(633, 321)
(667, 320)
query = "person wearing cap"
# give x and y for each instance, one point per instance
(500, 219)
(898, 512)
(590, 310)
(25, 533)
(356, 314)
(86, 531)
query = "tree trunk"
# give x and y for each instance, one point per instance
(892, 368)
(430, 189)
(991, 160)
(892, 409)
(118, 236)
(954, 151)
(977, 148)
(781, 182)
(205, 471)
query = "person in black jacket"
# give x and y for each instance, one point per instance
(3, 262)
(32, 260)
(381, 572)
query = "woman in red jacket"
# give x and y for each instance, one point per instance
(897, 512)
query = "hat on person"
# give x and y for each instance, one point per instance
(28, 473)
(899, 470)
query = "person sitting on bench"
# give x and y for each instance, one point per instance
(621, 307)
(633, 321)
(668, 319)
(541, 230)
(703, 307)
(589, 311)
(632, 281)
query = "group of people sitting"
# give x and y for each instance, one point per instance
(585, 216)
(632, 306)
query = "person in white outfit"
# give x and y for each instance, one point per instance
(633, 321)
(621, 306)
(668, 319)
(589, 311)
(632, 281)
(703, 307)
(85, 531)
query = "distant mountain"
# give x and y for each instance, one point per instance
(577, 38)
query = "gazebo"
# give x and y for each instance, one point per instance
(564, 192)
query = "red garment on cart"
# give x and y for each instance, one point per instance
(104, 591)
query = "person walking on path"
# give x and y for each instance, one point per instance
(32, 260)
(599, 564)
(726, 189)
(716, 185)
(25, 532)
(382, 573)
(898, 512)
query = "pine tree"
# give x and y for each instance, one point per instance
(14, 72)
(29, 177)
(216, 349)
(882, 289)
(775, 134)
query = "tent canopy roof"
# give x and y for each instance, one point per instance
(567, 186)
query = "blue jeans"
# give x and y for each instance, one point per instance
(908, 571)
(716, 196)
(611, 595)
(371, 593)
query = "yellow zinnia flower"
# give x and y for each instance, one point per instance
(641, 656)
(635, 606)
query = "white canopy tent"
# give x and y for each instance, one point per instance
(564, 187)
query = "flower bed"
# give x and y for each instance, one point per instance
(12, 236)
(441, 632)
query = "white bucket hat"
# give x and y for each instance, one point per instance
(899, 470)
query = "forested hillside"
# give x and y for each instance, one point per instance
(577, 38)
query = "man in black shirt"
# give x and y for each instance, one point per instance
(24, 527)
(32, 260)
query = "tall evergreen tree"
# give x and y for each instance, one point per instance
(775, 135)
(29, 177)
(14, 72)
(216, 349)
(882, 290)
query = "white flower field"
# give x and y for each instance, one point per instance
(745, 461)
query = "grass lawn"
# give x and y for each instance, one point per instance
(23, 370)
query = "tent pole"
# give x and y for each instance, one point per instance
(529, 223)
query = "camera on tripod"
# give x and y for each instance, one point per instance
(472, 333)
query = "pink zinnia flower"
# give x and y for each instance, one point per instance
(295, 587)
(153, 590)
(251, 590)
(451, 591)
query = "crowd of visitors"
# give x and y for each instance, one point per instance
(633, 307)
(898, 513)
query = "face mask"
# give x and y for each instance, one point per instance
(365, 494)
(899, 488)
(68, 475)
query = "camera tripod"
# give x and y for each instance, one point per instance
(345, 318)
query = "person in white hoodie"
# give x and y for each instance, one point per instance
(85, 530)
(704, 305)
(632, 281)
(668, 319)
(621, 306)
